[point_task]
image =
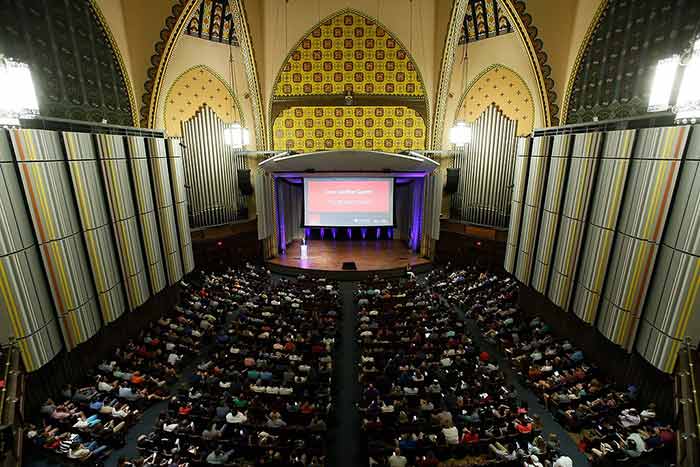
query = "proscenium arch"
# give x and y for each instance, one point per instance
(239, 117)
(426, 94)
(515, 11)
(504, 108)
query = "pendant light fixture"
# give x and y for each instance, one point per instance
(234, 134)
(687, 93)
(461, 132)
(17, 95)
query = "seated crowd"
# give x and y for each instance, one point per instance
(428, 393)
(89, 421)
(605, 419)
(263, 392)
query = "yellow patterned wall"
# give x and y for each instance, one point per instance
(194, 88)
(379, 128)
(349, 53)
(505, 88)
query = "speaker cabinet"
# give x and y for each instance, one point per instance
(452, 181)
(244, 182)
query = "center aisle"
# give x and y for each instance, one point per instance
(346, 450)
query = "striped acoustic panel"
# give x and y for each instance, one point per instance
(48, 190)
(117, 183)
(551, 210)
(26, 310)
(86, 177)
(145, 208)
(164, 206)
(177, 176)
(522, 159)
(650, 187)
(673, 301)
(582, 170)
(539, 161)
(604, 211)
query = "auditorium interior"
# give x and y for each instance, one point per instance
(349, 233)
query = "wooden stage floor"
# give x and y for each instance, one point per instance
(368, 255)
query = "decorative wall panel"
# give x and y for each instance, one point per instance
(484, 19)
(120, 199)
(213, 20)
(349, 52)
(672, 304)
(47, 187)
(384, 128)
(145, 208)
(650, 187)
(484, 164)
(522, 161)
(96, 225)
(614, 75)
(551, 211)
(164, 206)
(503, 87)
(177, 175)
(600, 231)
(211, 171)
(27, 310)
(539, 163)
(579, 190)
(191, 90)
(76, 71)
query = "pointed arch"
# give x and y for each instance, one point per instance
(183, 100)
(349, 51)
(500, 85)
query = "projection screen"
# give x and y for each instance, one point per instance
(348, 202)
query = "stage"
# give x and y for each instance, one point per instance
(387, 257)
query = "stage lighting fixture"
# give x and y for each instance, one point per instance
(460, 134)
(687, 102)
(17, 95)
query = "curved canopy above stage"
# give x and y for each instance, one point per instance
(349, 161)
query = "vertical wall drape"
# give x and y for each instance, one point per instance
(47, 187)
(211, 171)
(626, 250)
(164, 207)
(582, 171)
(71, 249)
(522, 162)
(551, 209)
(120, 198)
(145, 208)
(96, 226)
(532, 208)
(177, 175)
(484, 164)
(27, 309)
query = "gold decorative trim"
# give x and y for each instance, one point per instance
(173, 33)
(228, 88)
(378, 23)
(579, 56)
(251, 73)
(122, 66)
(519, 27)
(481, 75)
(459, 8)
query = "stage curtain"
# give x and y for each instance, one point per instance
(290, 207)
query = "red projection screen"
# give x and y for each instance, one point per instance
(348, 202)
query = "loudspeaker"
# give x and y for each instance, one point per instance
(452, 181)
(349, 266)
(244, 182)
